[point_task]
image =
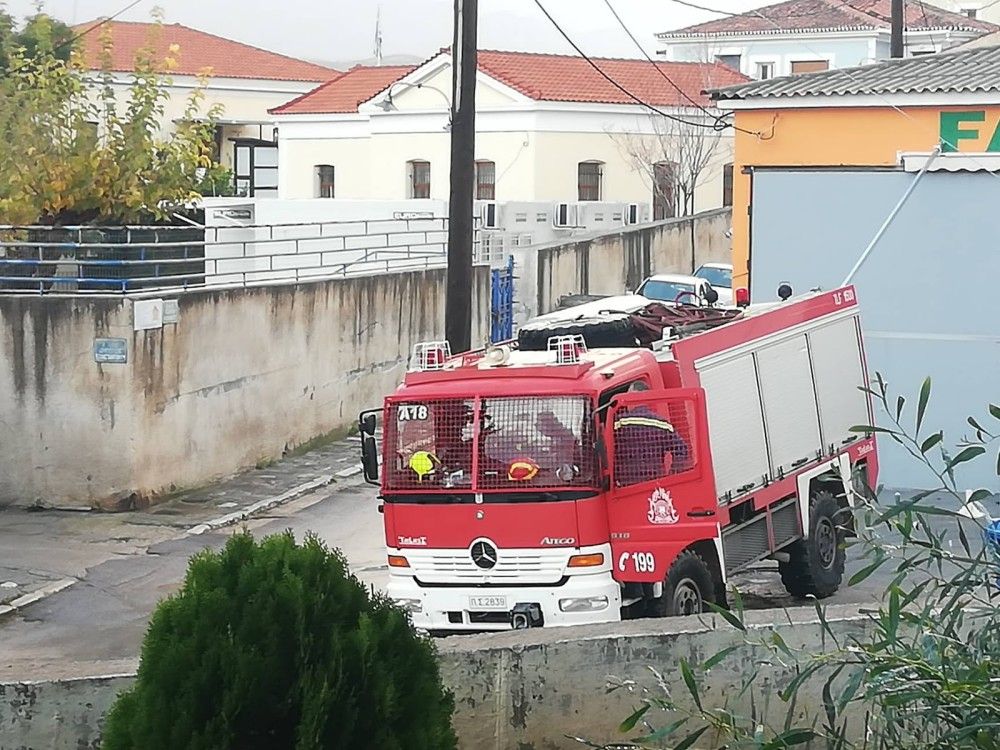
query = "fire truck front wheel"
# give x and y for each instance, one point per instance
(688, 586)
(815, 566)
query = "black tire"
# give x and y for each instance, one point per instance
(816, 565)
(612, 330)
(689, 584)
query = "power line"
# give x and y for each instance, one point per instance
(612, 81)
(843, 71)
(720, 123)
(927, 23)
(900, 111)
(77, 37)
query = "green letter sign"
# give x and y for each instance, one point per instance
(952, 132)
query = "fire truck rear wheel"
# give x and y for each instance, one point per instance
(688, 586)
(816, 565)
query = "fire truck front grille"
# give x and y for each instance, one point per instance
(514, 566)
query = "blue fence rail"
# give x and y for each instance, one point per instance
(502, 302)
(116, 259)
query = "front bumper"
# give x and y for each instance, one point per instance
(449, 608)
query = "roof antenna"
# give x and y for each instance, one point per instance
(378, 36)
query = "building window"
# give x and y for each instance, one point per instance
(765, 70)
(486, 181)
(664, 190)
(589, 174)
(418, 179)
(255, 167)
(727, 185)
(218, 140)
(809, 66)
(730, 61)
(971, 12)
(324, 181)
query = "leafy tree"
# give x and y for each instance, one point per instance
(91, 151)
(275, 645)
(925, 671)
(40, 34)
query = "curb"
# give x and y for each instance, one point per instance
(261, 505)
(35, 596)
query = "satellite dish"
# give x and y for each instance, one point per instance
(497, 356)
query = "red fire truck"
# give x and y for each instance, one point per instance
(626, 462)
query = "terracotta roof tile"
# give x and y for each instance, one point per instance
(344, 93)
(198, 50)
(564, 78)
(816, 15)
(557, 78)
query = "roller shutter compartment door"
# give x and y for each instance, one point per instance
(927, 291)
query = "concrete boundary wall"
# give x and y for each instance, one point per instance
(523, 690)
(215, 380)
(611, 262)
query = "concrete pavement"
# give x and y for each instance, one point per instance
(42, 547)
(121, 565)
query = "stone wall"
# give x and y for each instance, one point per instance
(610, 263)
(525, 690)
(243, 375)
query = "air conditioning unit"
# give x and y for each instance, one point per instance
(490, 215)
(632, 215)
(565, 215)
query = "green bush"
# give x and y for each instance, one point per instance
(275, 645)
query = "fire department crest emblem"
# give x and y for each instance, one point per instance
(661, 508)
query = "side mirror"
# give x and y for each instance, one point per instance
(366, 423)
(711, 296)
(369, 446)
(369, 459)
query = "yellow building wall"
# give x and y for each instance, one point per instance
(833, 137)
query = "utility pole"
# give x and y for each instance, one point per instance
(896, 38)
(458, 301)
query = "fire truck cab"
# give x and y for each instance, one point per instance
(623, 463)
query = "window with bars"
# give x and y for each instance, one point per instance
(419, 179)
(727, 185)
(486, 175)
(521, 443)
(325, 187)
(590, 175)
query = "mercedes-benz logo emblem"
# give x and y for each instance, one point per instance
(484, 555)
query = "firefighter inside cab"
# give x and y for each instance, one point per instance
(647, 446)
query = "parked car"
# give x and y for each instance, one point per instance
(720, 276)
(675, 288)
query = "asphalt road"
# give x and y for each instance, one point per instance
(98, 624)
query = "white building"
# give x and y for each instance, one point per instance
(804, 36)
(549, 128)
(984, 10)
(246, 81)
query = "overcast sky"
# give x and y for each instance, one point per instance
(338, 30)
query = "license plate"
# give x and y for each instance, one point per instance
(478, 603)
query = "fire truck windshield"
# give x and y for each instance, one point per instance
(508, 444)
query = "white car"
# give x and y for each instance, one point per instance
(720, 276)
(673, 288)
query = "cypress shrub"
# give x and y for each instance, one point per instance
(272, 644)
